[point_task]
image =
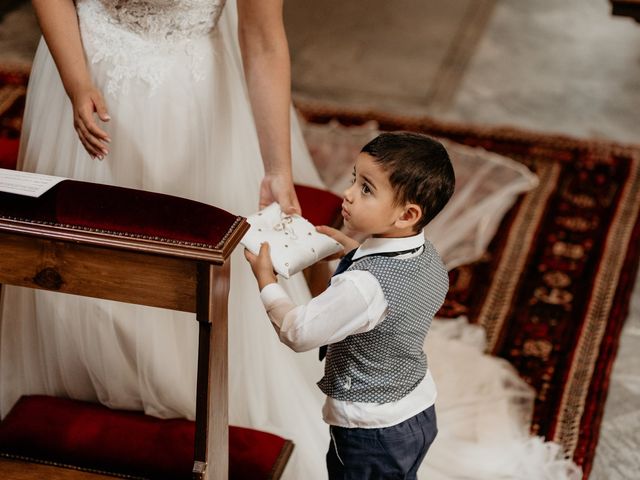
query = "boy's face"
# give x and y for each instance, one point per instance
(369, 203)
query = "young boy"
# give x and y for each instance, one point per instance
(376, 312)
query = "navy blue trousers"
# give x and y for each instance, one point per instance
(387, 453)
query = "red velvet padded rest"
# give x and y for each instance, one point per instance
(155, 215)
(93, 436)
(122, 210)
(9, 152)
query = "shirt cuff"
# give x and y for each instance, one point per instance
(272, 293)
(276, 302)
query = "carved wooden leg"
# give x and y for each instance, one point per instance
(211, 460)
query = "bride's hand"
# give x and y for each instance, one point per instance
(86, 101)
(279, 188)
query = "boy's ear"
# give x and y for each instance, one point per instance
(410, 216)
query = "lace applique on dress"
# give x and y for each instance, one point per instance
(139, 37)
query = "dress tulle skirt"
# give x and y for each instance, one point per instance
(181, 124)
(188, 133)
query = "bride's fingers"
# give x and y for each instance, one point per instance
(294, 204)
(264, 202)
(292, 208)
(95, 141)
(85, 115)
(87, 118)
(101, 108)
(97, 147)
(91, 150)
(286, 198)
(87, 147)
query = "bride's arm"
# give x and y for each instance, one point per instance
(265, 56)
(59, 25)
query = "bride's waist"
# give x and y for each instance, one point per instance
(126, 49)
(159, 21)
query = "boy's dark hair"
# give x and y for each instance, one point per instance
(419, 170)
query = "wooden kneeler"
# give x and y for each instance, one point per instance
(137, 247)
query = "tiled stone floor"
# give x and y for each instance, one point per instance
(566, 67)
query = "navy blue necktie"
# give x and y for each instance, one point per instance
(345, 262)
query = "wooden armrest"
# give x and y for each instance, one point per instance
(131, 219)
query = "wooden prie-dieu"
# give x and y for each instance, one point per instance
(138, 247)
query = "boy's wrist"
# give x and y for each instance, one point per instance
(266, 279)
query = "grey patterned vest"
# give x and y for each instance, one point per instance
(386, 363)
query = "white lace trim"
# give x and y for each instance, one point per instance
(140, 39)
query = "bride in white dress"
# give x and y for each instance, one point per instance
(182, 123)
(192, 114)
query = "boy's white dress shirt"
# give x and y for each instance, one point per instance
(353, 303)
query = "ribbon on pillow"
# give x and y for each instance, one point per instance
(295, 243)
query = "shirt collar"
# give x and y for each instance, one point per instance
(374, 245)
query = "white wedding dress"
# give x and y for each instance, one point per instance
(181, 124)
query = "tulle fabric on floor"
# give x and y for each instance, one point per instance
(484, 412)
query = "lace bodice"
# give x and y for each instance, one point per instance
(168, 20)
(139, 38)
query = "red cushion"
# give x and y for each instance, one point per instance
(124, 211)
(9, 152)
(155, 215)
(320, 207)
(90, 435)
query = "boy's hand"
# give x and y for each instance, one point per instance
(347, 243)
(261, 265)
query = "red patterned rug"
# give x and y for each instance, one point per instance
(553, 290)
